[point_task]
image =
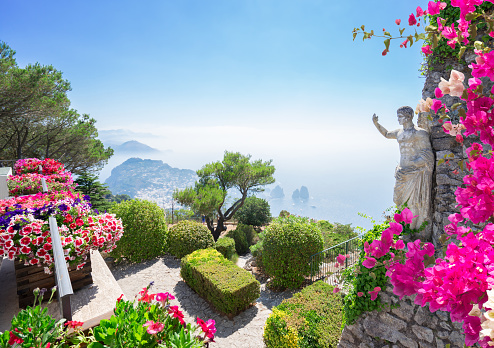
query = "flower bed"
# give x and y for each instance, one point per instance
(25, 232)
(151, 322)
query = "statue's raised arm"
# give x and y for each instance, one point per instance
(382, 130)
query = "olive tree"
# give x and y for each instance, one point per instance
(235, 172)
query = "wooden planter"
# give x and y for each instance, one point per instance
(29, 278)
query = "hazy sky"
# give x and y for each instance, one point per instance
(279, 79)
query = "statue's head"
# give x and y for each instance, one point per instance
(405, 113)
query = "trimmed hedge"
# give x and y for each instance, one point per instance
(188, 236)
(243, 236)
(229, 288)
(226, 246)
(311, 318)
(145, 230)
(287, 247)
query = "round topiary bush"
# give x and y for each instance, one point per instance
(145, 230)
(287, 246)
(243, 236)
(188, 236)
(226, 246)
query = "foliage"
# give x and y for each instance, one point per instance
(287, 246)
(145, 230)
(229, 288)
(117, 198)
(36, 119)
(209, 194)
(151, 322)
(33, 327)
(89, 184)
(244, 236)
(226, 246)
(255, 212)
(284, 214)
(188, 236)
(311, 319)
(361, 280)
(335, 234)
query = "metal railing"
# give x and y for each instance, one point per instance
(324, 264)
(7, 163)
(62, 278)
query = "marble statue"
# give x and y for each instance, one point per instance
(414, 173)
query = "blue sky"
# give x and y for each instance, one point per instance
(279, 79)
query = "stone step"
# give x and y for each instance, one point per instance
(89, 304)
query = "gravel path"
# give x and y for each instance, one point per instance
(244, 331)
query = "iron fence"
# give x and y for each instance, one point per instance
(7, 163)
(324, 264)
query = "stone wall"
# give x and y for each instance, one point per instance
(408, 325)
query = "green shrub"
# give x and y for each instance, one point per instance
(226, 246)
(145, 230)
(244, 237)
(361, 279)
(311, 318)
(287, 246)
(255, 212)
(229, 288)
(188, 236)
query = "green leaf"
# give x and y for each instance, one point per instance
(471, 16)
(461, 52)
(441, 161)
(410, 38)
(354, 36)
(387, 33)
(401, 31)
(460, 163)
(386, 43)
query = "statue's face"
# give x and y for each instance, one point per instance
(402, 118)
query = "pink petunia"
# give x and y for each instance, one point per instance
(153, 328)
(412, 20)
(398, 21)
(427, 50)
(360, 294)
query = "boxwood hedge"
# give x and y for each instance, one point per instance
(229, 288)
(311, 318)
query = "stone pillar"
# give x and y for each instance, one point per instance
(4, 173)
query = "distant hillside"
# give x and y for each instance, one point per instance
(134, 146)
(149, 179)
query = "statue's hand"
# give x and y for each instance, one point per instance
(375, 119)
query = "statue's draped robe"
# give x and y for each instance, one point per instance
(413, 186)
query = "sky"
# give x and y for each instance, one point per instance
(276, 79)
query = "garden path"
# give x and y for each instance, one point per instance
(244, 331)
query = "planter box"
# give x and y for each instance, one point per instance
(30, 277)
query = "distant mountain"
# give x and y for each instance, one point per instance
(149, 179)
(133, 146)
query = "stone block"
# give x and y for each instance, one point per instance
(445, 326)
(422, 315)
(442, 315)
(407, 342)
(384, 326)
(423, 333)
(404, 311)
(445, 143)
(456, 339)
(439, 343)
(444, 179)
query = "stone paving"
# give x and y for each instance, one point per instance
(244, 331)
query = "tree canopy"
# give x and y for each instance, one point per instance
(36, 119)
(255, 212)
(88, 184)
(209, 195)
